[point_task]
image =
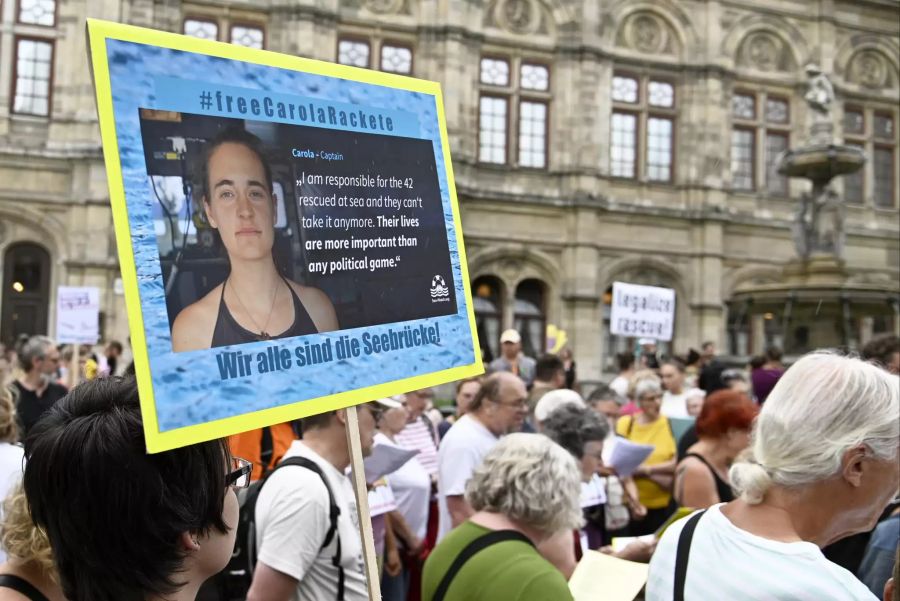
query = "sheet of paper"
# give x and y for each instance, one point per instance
(381, 499)
(385, 460)
(601, 577)
(627, 455)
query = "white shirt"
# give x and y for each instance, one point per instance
(411, 485)
(462, 449)
(729, 563)
(11, 461)
(675, 405)
(292, 519)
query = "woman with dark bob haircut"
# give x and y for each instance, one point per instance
(125, 525)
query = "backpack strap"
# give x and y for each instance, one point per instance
(682, 554)
(630, 426)
(266, 450)
(479, 544)
(333, 513)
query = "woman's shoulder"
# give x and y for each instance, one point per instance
(193, 327)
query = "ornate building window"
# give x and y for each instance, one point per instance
(37, 12)
(875, 132)
(487, 302)
(33, 76)
(513, 91)
(642, 128)
(390, 56)
(760, 120)
(251, 34)
(529, 316)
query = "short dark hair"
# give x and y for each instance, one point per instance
(316, 422)
(572, 427)
(115, 344)
(624, 360)
(706, 344)
(464, 381)
(546, 367)
(880, 350)
(230, 135)
(773, 353)
(676, 363)
(112, 512)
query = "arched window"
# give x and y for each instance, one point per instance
(26, 291)
(487, 301)
(529, 317)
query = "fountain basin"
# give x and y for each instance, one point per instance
(821, 163)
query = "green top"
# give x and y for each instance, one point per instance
(507, 571)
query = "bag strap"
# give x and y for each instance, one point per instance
(479, 544)
(22, 586)
(266, 449)
(630, 426)
(682, 554)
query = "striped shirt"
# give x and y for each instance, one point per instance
(419, 436)
(729, 563)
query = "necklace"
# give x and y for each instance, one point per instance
(263, 334)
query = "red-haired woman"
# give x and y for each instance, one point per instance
(723, 429)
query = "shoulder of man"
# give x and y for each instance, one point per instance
(296, 483)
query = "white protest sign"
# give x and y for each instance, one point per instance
(78, 315)
(642, 311)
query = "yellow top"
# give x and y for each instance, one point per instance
(658, 434)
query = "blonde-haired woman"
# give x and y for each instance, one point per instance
(29, 572)
(525, 492)
(822, 465)
(11, 452)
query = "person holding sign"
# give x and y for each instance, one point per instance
(255, 302)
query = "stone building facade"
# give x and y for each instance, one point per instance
(592, 142)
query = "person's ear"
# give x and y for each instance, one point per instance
(190, 541)
(852, 465)
(209, 217)
(341, 415)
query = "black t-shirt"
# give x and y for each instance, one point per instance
(31, 407)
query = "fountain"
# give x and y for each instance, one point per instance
(817, 299)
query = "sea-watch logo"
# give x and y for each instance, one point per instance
(440, 293)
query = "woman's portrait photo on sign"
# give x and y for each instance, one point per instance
(269, 231)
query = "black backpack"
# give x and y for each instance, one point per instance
(232, 583)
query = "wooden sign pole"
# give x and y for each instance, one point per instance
(75, 366)
(358, 474)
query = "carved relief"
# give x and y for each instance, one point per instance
(384, 6)
(647, 33)
(869, 70)
(518, 16)
(765, 51)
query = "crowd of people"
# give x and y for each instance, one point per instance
(502, 495)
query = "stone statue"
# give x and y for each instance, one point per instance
(819, 223)
(820, 97)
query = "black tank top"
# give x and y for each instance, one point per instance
(228, 331)
(22, 586)
(726, 495)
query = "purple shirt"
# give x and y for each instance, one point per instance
(764, 381)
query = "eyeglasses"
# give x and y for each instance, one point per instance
(239, 477)
(520, 404)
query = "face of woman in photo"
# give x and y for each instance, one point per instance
(240, 204)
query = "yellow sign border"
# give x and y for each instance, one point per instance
(98, 32)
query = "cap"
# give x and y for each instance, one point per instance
(644, 341)
(510, 336)
(389, 403)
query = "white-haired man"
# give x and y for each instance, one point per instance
(499, 408)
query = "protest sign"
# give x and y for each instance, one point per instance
(642, 311)
(77, 315)
(287, 229)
